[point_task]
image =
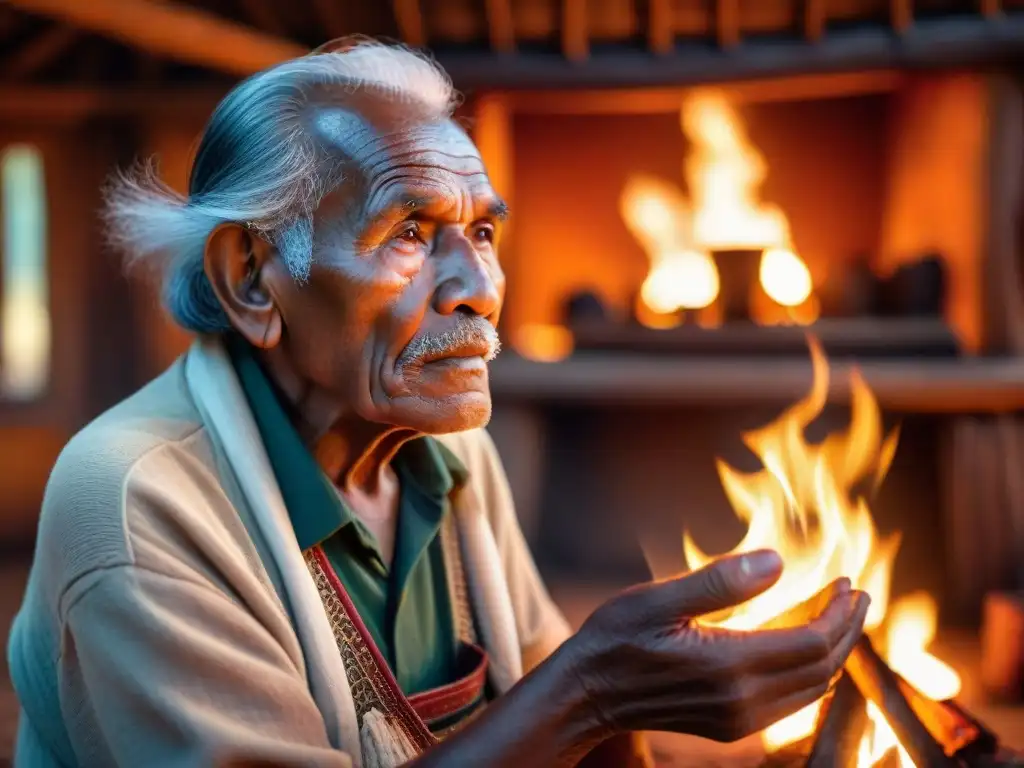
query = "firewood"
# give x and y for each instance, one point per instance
(986, 740)
(879, 684)
(840, 727)
(951, 725)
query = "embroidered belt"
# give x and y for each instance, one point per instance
(425, 717)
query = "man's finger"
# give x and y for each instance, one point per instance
(810, 609)
(727, 582)
(760, 717)
(838, 626)
(789, 679)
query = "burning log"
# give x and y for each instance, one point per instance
(840, 727)
(935, 734)
(957, 731)
(879, 684)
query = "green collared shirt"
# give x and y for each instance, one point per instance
(406, 607)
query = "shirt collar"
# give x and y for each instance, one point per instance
(315, 508)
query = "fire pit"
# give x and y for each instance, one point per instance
(894, 704)
(873, 709)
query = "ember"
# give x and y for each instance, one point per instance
(807, 503)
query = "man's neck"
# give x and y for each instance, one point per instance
(354, 453)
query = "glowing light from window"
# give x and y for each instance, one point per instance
(24, 302)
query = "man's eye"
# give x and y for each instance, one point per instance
(483, 233)
(409, 238)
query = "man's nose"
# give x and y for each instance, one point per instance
(465, 281)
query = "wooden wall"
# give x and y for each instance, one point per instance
(32, 434)
(936, 186)
(109, 333)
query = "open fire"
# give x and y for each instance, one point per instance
(724, 214)
(810, 503)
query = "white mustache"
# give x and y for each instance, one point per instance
(472, 332)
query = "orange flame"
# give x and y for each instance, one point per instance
(724, 172)
(805, 504)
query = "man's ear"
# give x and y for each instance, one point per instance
(237, 263)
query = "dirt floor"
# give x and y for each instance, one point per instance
(960, 650)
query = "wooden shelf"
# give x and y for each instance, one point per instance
(841, 338)
(966, 385)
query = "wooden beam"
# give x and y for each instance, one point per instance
(727, 22)
(814, 19)
(969, 42)
(978, 385)
(170, 29)
(575, 30)
(332, 17)
(667, 101)
(901, 14)
(409, 17)
(501, 29)
(990, 8)
(661, 29)
(40, 51)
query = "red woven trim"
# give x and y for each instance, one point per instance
(399, 704)
(450, 698)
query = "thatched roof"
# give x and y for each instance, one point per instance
(502, 43)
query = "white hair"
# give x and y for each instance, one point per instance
(258, 165)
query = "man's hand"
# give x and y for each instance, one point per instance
(644, 664)
(640, 663)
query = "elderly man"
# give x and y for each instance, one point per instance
(297, 546)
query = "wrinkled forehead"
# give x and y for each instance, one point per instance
(394, 160)
(369, 140)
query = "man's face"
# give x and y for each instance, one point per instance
(398, 318)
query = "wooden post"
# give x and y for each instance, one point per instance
(1002, 303)
(501, 26)
(814, 19)
(409, 17)
(727, 22)
(660, 27)
(575, 35)
(991, 7)
(901, 14)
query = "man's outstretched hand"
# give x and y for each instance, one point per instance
(641, 663)
(644, 664)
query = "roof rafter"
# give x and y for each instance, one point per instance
(501, 29)
(40, 51)
(174, 30)
(409, 17)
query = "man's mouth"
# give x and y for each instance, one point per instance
(474, 341)
(470, 350)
